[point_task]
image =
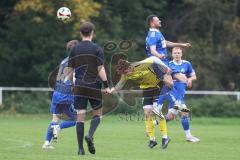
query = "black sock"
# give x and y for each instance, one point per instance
(94, 124)
(80, 134)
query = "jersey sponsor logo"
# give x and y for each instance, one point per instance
(164, 44)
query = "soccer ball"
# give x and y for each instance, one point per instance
(63, 13)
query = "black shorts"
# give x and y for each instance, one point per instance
(83, 94)
(149, 95)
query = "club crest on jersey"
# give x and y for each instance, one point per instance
(182, 70)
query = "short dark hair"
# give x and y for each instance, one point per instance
(150, 18)
(87, 28)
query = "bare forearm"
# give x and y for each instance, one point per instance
(174, 44)
(102, 73)
(155, 53)
(180, 77)
(70, 75)
(119, 85)
(193, 78)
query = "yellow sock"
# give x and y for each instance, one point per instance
(163, 127)
(150, 128)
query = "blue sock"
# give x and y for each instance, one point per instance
(49, 133)
(185, 123)
(67, 124)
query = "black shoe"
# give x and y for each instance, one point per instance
(165, 142)
(81, 152)
(152, 144)
(90, 144)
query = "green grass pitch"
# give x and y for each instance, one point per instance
(21, 138)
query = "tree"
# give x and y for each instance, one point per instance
(33, 40)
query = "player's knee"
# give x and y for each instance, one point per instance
(148, 111)
(184, 114)
(170, 117)
(56, 118)
(147, 115)
(97, 112)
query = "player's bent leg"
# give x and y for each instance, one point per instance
(67, 124)
(186, 126)
(68, 109)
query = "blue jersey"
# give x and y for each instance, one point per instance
(155, 38)
(184, 67)
(62, 91)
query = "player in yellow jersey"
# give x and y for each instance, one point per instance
(143, 74)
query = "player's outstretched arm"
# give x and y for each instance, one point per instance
(119, 85)
(102, 73)
(70, 76)
(173, 44)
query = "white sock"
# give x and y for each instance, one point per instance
(188, 133)
(165, 136)
(47, 143)
(152, 139)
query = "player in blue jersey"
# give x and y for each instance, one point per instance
(62, 103)
(183, 78)
(156, 45)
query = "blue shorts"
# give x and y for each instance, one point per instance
(176, 94)
(180, 89)
(167, 94)
(63, 104)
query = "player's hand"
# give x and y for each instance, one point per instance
(168, 70)
(189, 83)
(186, 45)
(113, 90)
(107, 91)
(161, 56)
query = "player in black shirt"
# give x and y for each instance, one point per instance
(87, 61)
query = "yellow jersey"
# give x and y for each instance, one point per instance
(143, 74)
